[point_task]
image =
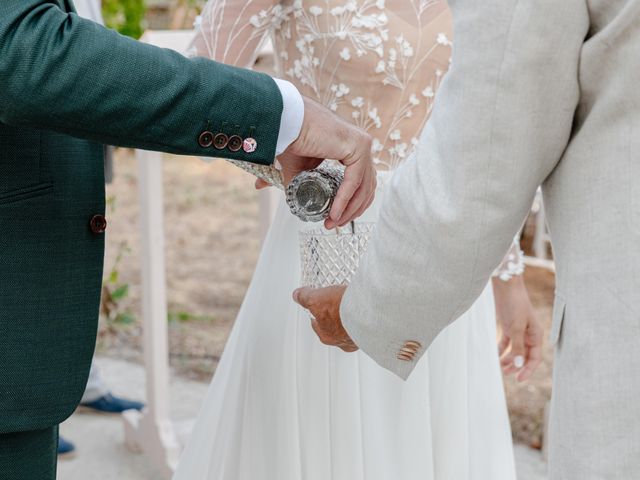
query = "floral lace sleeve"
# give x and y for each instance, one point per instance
(375, 63)
(513, 263)
(232, 31)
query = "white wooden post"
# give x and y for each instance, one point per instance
(152, 431)
(541, 237)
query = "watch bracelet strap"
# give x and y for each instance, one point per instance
(268, 173)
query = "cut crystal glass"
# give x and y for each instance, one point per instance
(331, 257)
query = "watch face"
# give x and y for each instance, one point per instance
(313, 197)
(311, 193)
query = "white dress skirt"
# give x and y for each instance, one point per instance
(283, 406)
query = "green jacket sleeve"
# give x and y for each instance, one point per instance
(62, 73)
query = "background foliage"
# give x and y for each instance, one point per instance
(133, 17)
(125, 16)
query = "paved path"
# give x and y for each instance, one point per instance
(101, 452)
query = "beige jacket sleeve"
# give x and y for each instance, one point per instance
(501, 122)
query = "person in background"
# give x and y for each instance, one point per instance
(97, 398)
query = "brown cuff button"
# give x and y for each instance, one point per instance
(235, 143)
(205, 140)
(98, 224)
(404, 357)
(220, 141)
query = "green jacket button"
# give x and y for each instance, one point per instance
(235, 143)
(205, 140)
(98, 224)
(220, 141)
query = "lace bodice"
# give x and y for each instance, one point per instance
(377, 63)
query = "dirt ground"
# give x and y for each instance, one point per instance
(212, 244)
(527, 400)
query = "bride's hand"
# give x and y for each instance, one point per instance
(522, 335)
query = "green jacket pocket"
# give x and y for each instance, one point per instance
(26, 193)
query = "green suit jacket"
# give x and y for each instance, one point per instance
(67, 86)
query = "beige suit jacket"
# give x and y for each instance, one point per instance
(540, 92)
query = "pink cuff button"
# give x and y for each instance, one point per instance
(249, 145)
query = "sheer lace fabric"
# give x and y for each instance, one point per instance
(513, 263)
(378, 63)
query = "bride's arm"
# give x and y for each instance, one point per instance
(232, 31)
(512, 264)
(521, 333)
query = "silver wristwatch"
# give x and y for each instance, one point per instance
(310, 194)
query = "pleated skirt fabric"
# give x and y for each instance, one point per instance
(283, 406)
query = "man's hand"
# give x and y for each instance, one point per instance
(325, 135)
(324, 305)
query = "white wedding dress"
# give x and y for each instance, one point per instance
(281, 405)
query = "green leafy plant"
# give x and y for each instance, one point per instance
(125, 16)
(111, 203)
(115, 294)
(182, 316)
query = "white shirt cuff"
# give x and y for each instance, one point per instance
(292, 115)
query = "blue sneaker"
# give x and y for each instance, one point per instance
(66, 449)
(110, 405)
